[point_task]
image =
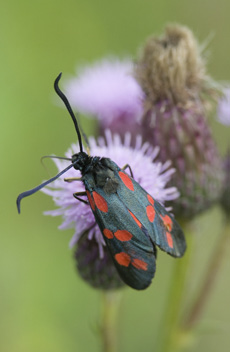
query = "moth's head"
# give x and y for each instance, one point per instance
(80, 160)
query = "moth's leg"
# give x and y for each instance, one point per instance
(127, 166)
(77, 194)
(71, 179)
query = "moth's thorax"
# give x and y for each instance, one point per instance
(101, 173)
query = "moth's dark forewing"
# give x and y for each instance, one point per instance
(132, 252)
(138, 248)
(137, 201)
(178, 238)
(136, 278)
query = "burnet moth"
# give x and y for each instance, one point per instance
(131, 221)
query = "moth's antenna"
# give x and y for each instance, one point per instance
(55, 157)
(83, 134)
(52, 157)
(34, 190)
(67, 104)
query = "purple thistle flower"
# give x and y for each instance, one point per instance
(108, 91)
(223, 109)
(152, 176)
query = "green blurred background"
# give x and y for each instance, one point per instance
(44, 305)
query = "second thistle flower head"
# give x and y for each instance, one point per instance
(94, 262)
(178, 95)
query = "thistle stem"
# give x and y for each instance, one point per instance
(209, 278)
(110, 309)
(168, 336)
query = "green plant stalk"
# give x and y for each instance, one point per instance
(110, 311)
(209, 279)
(168, 333)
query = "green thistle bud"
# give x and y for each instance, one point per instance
(179, 94)
(98, 272)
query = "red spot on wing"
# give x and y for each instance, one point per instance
(127, 180)
(137, 221)
(123, 258)
(108, 233)
(91, 202)
(150, 199)
(140, 264)
(169, 239)
(123, 235)
(150, 213)
(100, 202)
(167, 222)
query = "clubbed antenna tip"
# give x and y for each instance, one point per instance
(34, 190)
(68, 107)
